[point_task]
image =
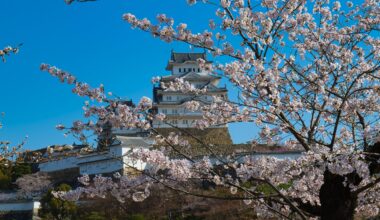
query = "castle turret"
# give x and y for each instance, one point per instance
(172, 103)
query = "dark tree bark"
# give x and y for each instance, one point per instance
(373, 157)
(337, 201)
(106, 138)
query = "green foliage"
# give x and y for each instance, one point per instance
(192, 217)
(5, 181)
(56, 209)
(284, 186)
(189, 217)
(136, 217)
(266, 189)
(9, 172)
(247, 184)
(20, 169)
(94, 216)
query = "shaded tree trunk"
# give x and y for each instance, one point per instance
(106, 138)
(337, 201)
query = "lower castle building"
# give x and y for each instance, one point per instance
(112, 157)
(79, 160)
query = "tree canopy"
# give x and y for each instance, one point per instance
(307, 75)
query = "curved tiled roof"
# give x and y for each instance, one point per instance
(188, 76)
(185, 57)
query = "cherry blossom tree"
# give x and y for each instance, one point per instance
(6, 51)
(71, 1)
(308, 75)
(11, 158)
(9, 152)
(32, 185)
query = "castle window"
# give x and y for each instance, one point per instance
(189, 69)
(199, 70)
(169, 98)
(164, 111)
(179, 69)
(185, 122)
(174, 111)
(193, 69)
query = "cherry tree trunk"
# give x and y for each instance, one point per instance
(337, 201)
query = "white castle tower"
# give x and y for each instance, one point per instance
(172, 103)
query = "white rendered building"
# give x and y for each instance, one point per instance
(115, 159)
(29, 207)
(172, 103)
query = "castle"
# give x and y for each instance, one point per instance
(66, 163)
(171, 103)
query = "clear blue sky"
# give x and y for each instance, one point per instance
(91, 41)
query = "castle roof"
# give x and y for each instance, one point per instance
(183, 57)
(178, 58)
(190, 76)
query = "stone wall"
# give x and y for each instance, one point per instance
(215, 136)
(221, 143)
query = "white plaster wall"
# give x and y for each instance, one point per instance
(169, 98)
(97, 163)
(125, 150)
(180, 111)
(110, 162)
(105, 166)
(19, 206)
(138, 164)
(186, 65)
(54, 165)
(101, 163)
(180, 99)
(180, 123)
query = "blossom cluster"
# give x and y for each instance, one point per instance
(33, 184)
(307, 75)
(116, 112)
(121, 187)
(8, 151)
(6, 51)
(179, 84)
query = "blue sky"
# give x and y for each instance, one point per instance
(92, 42)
